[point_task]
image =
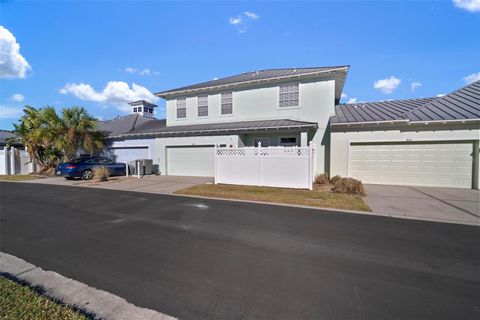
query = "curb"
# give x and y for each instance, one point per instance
(102, 304)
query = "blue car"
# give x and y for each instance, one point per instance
(83, 168)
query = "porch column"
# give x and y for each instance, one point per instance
(304, 139)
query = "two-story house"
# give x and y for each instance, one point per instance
(277, 107)
(427, 141)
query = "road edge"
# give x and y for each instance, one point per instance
(101, 304)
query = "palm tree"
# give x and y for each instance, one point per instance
(49, 137)
(79, 132)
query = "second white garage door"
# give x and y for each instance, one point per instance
(191, 161)
(426, 164)
(127, 154)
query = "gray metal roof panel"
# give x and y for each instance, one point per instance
(158, 127)
(461, 104)
(123, 124)
(376, 111)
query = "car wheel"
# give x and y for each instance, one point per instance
(87, 175)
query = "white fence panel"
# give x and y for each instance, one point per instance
(288, 167)
(24, 163)
(15, 161)
(4, 164)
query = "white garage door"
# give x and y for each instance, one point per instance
(127, 154)
(427, 164)
(191, 161)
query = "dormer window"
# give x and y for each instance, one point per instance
(288, 95)
(227, 103)
(181, 108)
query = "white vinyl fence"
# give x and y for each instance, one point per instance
(14, 161)
(288, 167)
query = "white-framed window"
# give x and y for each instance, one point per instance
(287, 141)
(227, 103)
(181, 108)
(134, 109)
(203, 106)
(265, 142)
(288, 95)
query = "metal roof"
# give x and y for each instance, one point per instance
(462, 104)
(141, 102)
(376, 111)
(123, 124)
(159, 128)
(255, 77)
(458, 105)
(4, 135)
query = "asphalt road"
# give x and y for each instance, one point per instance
(205, 259)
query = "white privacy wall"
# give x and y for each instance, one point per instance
(287, 167)
(340, 142)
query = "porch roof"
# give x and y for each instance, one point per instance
(152, 128)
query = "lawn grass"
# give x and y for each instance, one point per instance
(315, 198)
(18, 177)
(21, 302)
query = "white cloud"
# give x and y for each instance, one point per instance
(18, 97)
(117, 93)
(415, 85)
(7, 112)
(235, 20)
(251, 15)
(143, 72)
(343, 96)
(352, 100)
(469, 5)
(131, 70)
(387, 85)
(242, 21)
(472, 78)
(440, 95)
(12, 63)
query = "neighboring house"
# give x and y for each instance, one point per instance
(425, 142)
(8, 138)
(418, 141)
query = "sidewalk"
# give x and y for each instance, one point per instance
(102, 304)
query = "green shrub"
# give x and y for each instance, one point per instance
(334, 179)
(101, 173)
(349, 186)
(321, 179)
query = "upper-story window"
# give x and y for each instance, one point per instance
(227, 103)
(181, 108)
(288, 95)
(203, 106)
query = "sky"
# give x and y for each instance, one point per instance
(102, 54)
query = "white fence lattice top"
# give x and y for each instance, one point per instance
(267, 152)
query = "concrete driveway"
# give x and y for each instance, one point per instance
(427, 203)
(150, 184)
